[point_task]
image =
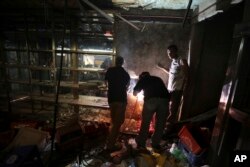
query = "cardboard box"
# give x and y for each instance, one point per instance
(29, 136)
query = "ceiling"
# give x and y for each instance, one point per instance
(156, 4)
(91, 18)
(104, 4)
(41, 13)
(13, 10)
(111, 4)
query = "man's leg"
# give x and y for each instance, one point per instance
(160, 122)
(117, 112)
(147, 114)
(174, 106)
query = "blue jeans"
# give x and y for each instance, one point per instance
(159, 107)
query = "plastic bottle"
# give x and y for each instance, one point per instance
(177, 153)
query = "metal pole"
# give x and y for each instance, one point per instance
(99, 10)
(106, 15)
(186, 15)
(119, 16)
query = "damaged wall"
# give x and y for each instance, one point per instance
(143, 50)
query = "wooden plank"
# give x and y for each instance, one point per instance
(87, 101)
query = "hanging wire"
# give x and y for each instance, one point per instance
(58, 83)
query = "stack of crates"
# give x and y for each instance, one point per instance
(194, 143)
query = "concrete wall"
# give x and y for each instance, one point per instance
(143, 50)
(211, 42)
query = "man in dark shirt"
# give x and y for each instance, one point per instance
(156, 101)
(117, 80)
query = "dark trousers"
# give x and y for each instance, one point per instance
(159, 107)
(175, 99)
(117, 113)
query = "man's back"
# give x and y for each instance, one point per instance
(118, 79)
(152, 86)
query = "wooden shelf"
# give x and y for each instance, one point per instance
(46, 68)
(84, 69)
(18, 81)
(36, 82)
(12, 65)
(31, 50)
(80, 85)
(41, 50)
(69, 85)
(60, 51)
(42, 83)
(19, 98)
(41, 68)
(66, 84)
(87, 101)
(85, 52)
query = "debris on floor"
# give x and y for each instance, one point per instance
(80, 143)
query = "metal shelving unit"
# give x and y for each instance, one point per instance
(31, 58)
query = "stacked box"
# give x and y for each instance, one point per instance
(29, 136)
(193, 142)
(193, 138)
(193, 159)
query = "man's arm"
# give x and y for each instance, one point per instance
(159, 66)
(185, 68)
(128, 82)
(137, 88)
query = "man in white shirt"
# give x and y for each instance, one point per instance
(178, 74)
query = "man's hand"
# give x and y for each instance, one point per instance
(159, 66)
